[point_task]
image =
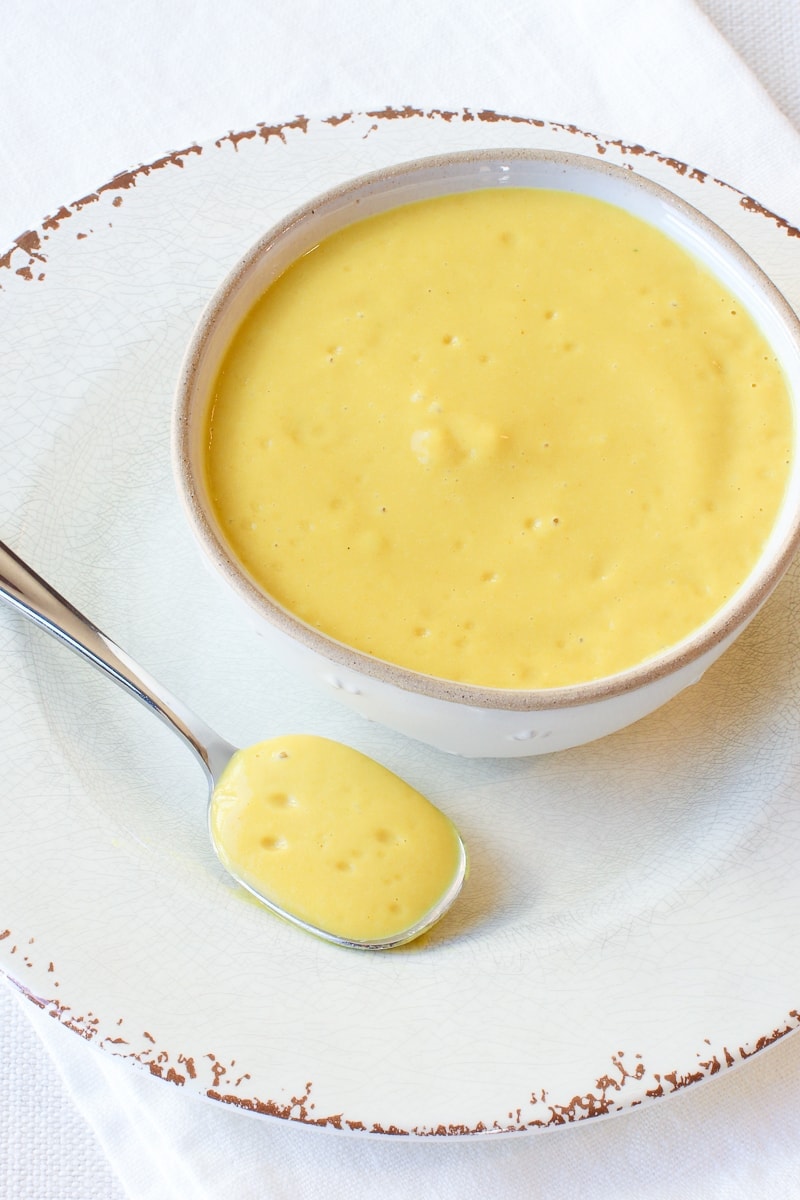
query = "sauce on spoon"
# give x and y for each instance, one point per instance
(331, 835)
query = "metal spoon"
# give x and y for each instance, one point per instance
(29, 594)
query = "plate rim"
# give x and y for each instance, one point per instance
(27, 259)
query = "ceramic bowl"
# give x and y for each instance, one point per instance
(460, 718)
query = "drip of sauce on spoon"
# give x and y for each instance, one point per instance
(322, 835)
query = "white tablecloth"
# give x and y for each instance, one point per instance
(91, 88)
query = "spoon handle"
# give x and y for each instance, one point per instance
(31, 595)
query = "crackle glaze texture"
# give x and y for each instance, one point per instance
(631, 924)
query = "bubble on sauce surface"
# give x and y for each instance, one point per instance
(282, 800)
(386, 837)
(270, 842)
(421, 445)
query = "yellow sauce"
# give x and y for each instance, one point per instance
(333, 837)
(512, 437)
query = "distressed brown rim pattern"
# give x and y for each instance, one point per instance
(227, 1082)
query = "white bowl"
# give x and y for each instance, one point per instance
(461, 718)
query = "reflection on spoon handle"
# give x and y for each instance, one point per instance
(29, 594)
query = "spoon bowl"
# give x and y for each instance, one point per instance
(312, 878)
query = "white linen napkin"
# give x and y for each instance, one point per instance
(105, 86)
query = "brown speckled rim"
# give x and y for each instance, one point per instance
(626, 1081)
(191, 406)
(634, 1077)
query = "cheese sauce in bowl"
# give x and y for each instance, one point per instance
(503, 459)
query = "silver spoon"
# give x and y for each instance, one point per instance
(30, 595)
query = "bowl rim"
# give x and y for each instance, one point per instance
(722, 625)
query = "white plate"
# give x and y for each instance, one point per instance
(632, 921)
